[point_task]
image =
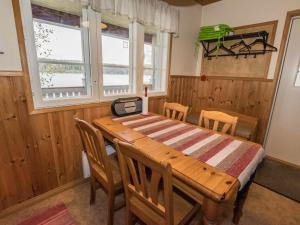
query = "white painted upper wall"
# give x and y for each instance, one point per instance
(10, 58)
(232, 12)
(244, 12)
(183, 59)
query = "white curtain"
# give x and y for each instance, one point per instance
(147, 12)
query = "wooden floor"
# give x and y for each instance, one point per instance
(263, 207)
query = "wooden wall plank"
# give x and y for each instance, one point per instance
(14, 166)
(68, 144)
(10, 121)
(43, 153)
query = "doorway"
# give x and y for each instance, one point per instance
(283, 140)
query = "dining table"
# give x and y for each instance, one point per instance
(214, 169)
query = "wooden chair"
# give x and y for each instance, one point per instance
(175, 111)
(104, 168)
(220, 121)
(148, 189)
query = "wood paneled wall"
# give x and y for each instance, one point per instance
(250, 97)
(43, 151)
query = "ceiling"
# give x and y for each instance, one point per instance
(190, 2)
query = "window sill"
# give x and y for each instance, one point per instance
(157, 94)
(105, 103)
(68, 107)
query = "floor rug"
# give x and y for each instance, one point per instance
(56, 215)
(281, 178)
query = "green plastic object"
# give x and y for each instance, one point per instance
(213, 32)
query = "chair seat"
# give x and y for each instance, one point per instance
(183, 210)
(98, 172)
(115, 169)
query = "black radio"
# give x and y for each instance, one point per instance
(127, 106)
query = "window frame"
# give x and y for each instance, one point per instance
(85, 54)
(162, 55)
(149, 66)
(33, 62)
(92, 56)
(132, 78)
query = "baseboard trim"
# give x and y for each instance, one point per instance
(283, 162)
(41, 197)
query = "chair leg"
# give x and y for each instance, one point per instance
(128, 216)
(111, 207)
(93, 190)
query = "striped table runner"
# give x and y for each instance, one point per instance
(235, 157)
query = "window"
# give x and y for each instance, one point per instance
(297, 81)
(148, 79)
(155, 61)
(115, 45)
(58, 51)
(62, 69)
(76, 55)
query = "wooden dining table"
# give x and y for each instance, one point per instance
(216, 190)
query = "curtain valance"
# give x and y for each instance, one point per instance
(147, 12)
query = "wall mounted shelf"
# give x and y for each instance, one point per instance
(261, 38)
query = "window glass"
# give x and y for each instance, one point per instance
(63, 69)
(115, 57)
(155, 60)
(148, 61)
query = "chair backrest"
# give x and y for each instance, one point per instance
(145, 187)
(80, 132)
(94, 146)
(218, 121)
(176, 111)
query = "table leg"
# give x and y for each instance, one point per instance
(240, 201)
(210, 212)
(239, 205)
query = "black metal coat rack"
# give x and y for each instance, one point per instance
(262, 37)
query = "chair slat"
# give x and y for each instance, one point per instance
(180, 116)
(133, 174)
(206, 123)
(226, 127)
(155, 178)
(174, 114)
(168, 113)
(216, 125)
(143, 178)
